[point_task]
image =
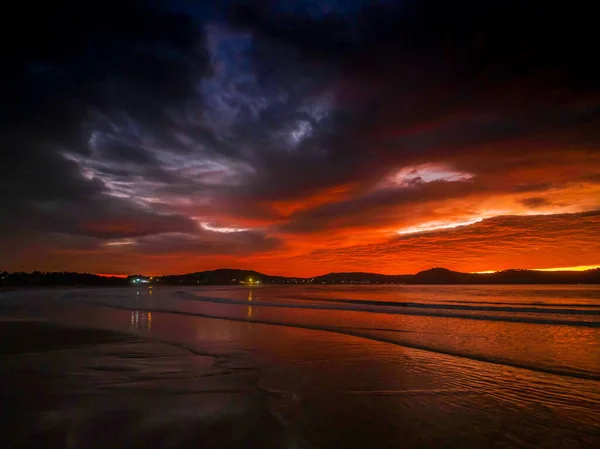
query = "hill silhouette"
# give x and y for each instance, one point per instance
(229, 276)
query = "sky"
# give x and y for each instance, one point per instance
(300, 137)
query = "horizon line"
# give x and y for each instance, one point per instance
(576, 268)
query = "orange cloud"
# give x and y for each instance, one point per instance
(532, 242)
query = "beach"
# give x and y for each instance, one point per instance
(301, 367)
(73, 387)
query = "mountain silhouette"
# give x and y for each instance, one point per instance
(229, 276)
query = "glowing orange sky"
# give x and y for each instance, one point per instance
(535, 240)
(462, 214)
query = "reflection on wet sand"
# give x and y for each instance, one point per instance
(250, 311)
(249, 314)
(141, 322)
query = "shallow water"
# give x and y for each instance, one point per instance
(384, 366)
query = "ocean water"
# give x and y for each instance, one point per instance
(321, 366)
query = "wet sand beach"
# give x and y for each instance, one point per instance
(390, 366)
(67, 387)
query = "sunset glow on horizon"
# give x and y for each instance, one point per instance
(579, 268)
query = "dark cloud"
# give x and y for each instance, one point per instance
(453, 67)
(478, 176)
(381, 207)
(105, 60)
(207, 243)
(535, 202)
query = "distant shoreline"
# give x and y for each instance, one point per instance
(229, 276)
